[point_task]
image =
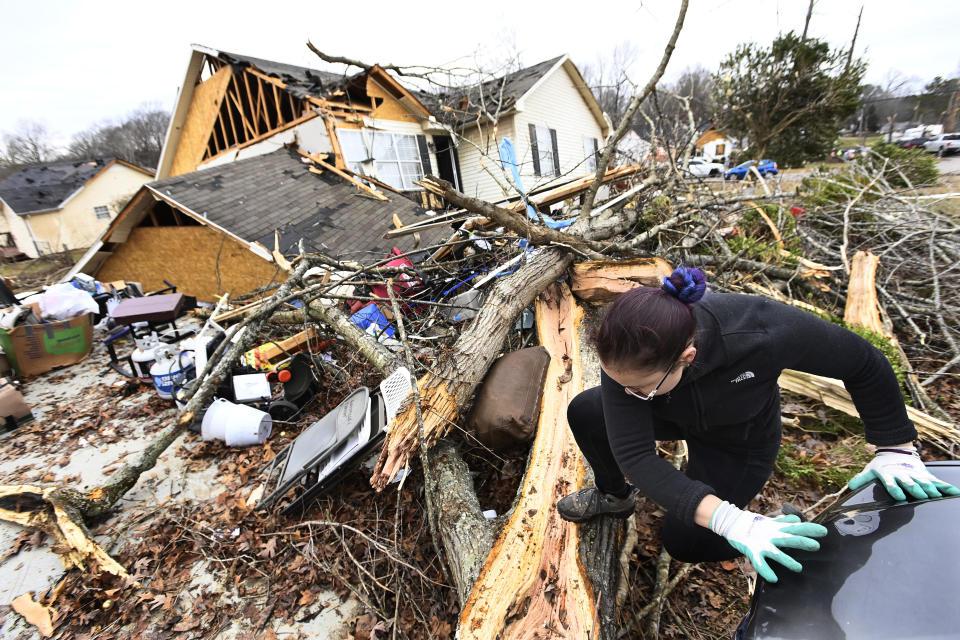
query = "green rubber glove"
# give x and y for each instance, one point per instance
(902, 469)
(760, 538)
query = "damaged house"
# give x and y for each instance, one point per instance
(260, 155)
(547, 111)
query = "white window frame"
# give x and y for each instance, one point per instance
(370, 165)
(102, 212)
(548, 169)
(591, 149)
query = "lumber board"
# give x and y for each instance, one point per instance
(565, 191)
(602, 281)
(343, 174)
(832, 393)
(532, 584)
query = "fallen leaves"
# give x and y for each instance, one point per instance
(35, 613)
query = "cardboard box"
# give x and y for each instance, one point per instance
(37, 348)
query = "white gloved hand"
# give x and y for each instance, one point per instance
(902, 469)
(760, 538)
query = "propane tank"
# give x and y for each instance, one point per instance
(171, 371)
(143, 358)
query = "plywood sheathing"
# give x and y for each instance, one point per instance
(204, 109)
(533, 580)
(389, 107)
(187, 257)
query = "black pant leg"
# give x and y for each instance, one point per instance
(585, 417)
(737, 470)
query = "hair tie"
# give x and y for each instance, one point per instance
(686, 284)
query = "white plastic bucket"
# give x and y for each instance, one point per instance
(247, 426)
(214, 424)
(236, 424)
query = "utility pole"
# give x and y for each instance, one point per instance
(806, 24)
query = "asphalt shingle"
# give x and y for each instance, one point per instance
(254, 197)
(44, 187)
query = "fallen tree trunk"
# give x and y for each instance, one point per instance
(447, 388)
(532, 580)
(602, 281)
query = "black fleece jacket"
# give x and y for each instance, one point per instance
(743, 343)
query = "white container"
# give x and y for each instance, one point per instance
(251, 387)
(144, 357)
(171, 370)
(236, 424)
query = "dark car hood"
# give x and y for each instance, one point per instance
(885, 570)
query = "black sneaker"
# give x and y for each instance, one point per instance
(590, 502)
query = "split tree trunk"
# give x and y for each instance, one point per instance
(601, 282)
(532, 584)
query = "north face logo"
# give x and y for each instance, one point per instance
(746, 375)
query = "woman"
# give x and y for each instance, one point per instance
(676, 367)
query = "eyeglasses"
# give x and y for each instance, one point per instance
(630, 392)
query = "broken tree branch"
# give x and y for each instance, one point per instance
(627, 121)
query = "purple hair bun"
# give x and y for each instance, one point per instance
(686, 284)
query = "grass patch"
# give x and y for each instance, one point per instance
(828, 470)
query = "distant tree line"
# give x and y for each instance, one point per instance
(138, 139)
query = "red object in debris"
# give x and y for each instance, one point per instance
(284, 375)
(403, 284)
(797, 211)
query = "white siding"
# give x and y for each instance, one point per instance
(555, 104)
(479, 145)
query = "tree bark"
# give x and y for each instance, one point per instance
(533, 584)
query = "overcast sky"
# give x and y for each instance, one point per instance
(70, 64)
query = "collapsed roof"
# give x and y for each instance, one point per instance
(278, 191)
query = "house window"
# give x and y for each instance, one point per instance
(103, 213)
(398, 159)
(543, 148)
(591, 152)
(720, 149)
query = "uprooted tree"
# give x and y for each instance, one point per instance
(529, 574)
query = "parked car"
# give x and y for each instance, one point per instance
(911, 143)
(701, 168)
(740, 171)
(886, 569)
(943, 144)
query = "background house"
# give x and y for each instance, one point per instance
(47, 208)
(713, 145)
(549, 114)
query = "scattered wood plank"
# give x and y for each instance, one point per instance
(532, 579)
(832, 393)
(601, 282)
